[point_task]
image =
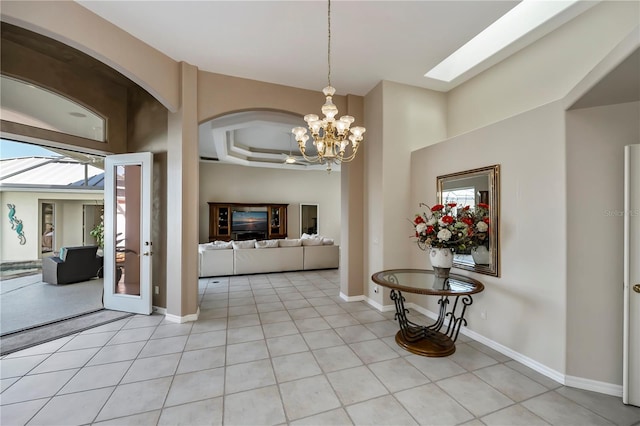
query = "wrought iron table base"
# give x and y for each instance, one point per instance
(437, 339)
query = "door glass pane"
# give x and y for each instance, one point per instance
(128, 205)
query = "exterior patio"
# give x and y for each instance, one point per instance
(26, 301)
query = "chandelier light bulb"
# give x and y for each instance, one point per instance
(299, 131)
(341, 126)
(315, 126)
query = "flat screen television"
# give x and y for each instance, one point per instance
(243, 221)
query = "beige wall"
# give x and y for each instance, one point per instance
(373, 190)
(226, 94)
(543, 72)
(595, 178)
(148, 131)
(182, 199)
(526, 305)
(238, 184)
(400, 118)
(513, 114)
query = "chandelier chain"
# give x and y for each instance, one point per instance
(329, 43)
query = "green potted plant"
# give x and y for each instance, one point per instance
(98, 233)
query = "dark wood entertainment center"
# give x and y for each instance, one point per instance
(250, 221)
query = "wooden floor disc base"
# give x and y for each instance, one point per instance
(427, 347)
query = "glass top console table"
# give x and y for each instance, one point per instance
(437, 339)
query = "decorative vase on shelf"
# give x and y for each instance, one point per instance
(481, 255)
(441, 261)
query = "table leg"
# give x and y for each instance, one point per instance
(430, 340)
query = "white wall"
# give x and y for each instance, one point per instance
(525, 306)
(68, 221)
(595, 178)
(240, 184)
(543, 72)
(26, 209)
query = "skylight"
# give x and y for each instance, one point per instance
(520, 21)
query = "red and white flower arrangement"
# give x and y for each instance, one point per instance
(439, 227)
(479, 222)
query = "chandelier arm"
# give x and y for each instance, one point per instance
(349, 158)
(311, 159)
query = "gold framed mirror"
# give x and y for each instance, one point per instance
(472, 187)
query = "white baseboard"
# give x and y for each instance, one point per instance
(516, 356)
(159, 310)
(381, 308)
(575, 382)
(371, 302)
(351, 298)
(593, 385)
(186, 318)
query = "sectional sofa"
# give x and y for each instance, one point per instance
(257, 257)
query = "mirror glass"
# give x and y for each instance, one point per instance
(308, 219)
(470, 188)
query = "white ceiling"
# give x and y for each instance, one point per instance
(285, 42)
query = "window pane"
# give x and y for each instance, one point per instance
(27, 104)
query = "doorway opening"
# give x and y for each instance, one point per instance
(58, 196)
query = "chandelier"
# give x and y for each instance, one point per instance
(331, 136)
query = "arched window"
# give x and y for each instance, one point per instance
(30, 105)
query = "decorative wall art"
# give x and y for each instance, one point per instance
(16, 224)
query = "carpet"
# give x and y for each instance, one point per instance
(13, 342)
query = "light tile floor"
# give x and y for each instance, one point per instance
(280, 349)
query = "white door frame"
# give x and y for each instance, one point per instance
(631, 350)
(142, 303)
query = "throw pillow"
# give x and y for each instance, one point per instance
(244, 244)
(327, 241)
(63, 253)
(267, 244)
(290, 243)
(220, 245)
(312, 242)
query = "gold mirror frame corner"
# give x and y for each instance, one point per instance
(493, 175)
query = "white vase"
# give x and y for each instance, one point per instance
(441, 261)
(441, 257)
(481, 255)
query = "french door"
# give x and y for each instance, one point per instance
(127, 237)
(631, 361)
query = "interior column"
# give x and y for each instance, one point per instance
(182, 201)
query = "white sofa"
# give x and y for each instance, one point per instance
(237, 260)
